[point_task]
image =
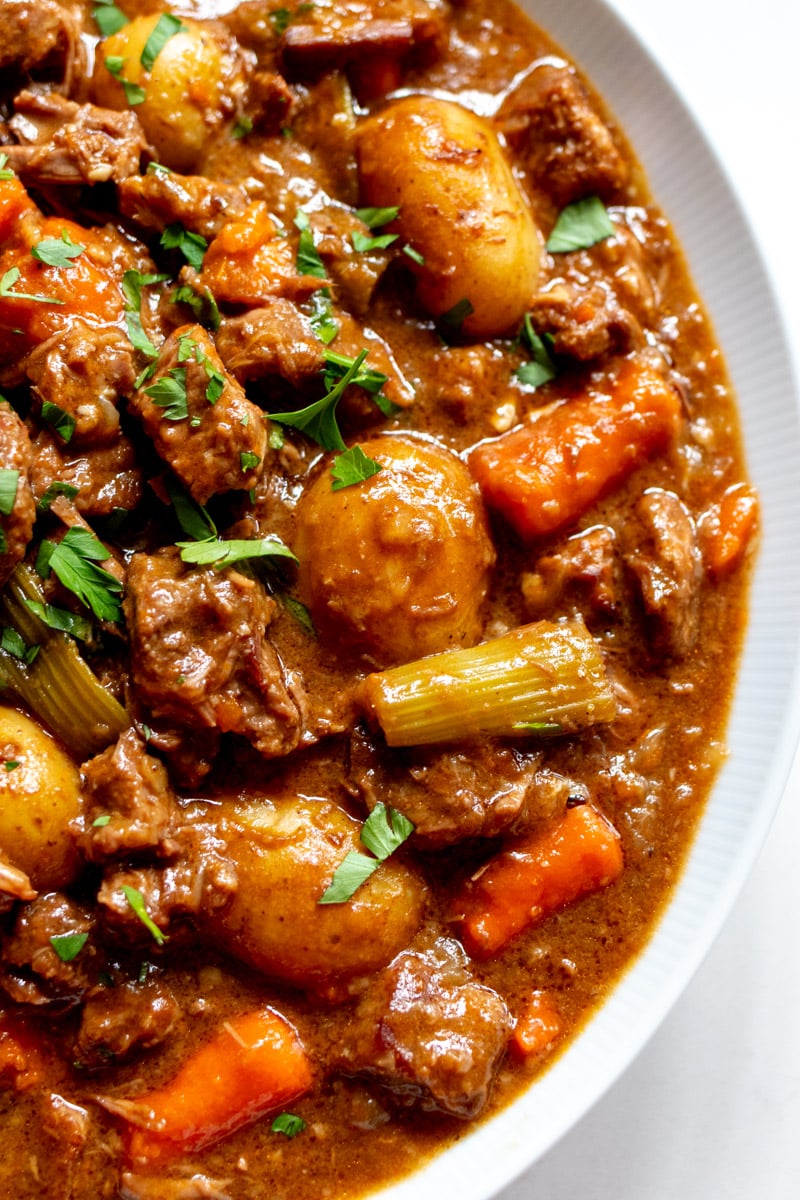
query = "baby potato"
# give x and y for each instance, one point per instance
(39, 797)
(460, 208)
(286, 851)
(396, 567)
(190, 89)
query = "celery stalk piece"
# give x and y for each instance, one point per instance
(58, 687)
(543, 677)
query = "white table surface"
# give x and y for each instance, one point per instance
(711, 1109)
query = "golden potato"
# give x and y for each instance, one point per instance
(396, 567)
(39, 797)
(286, 851)
(190, 90)
(460, 208)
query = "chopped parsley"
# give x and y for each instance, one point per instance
(59, 420)
(192, 246)
(541, 368)
(543, 727)
(132, 284)
(61, 619)
(193, 518)
(203, 305)
(136, 901)
(74, 561)
(288, 1124)
(165, 28)
(414, 255)
(248, 460)
(352, 467)
(7, 290)
(308, 259)
(188, 349)
(580, 225)
(384, 830)
(369, 379)
(68, 945)
(363, 243)
(11, 764)
(318, 420)
(57, 252)
(322, 320)
(101, 821)
(8, 490)
(242, 126)
(374, 218)
(169, 393)
(108, 18)
(282, 18)
(12, 641)
(455, 317)
(5, 172)
(221, 553)
(56, 488)
(134, 93)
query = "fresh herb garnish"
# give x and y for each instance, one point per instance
(221, 553)
(132, 284)
(61, 619)
(352, 467)
(308, 259)
(8, 490)
(248, 460)
(12, 641)
(299, 612)
(580, 225)
(363, 243)
(5, 172)
(288, 1124)
(541, 369)
(165, 28)
(282, 18)
(157, 168)
(136, 901)
(414, 255)
(56, 488)
(322, 320)
(68, 945)
(318, 420)
(7, 290)
(11, 764)
(74, 562)
(101, 821)
(108, 18)
(543, 727)
(242, 126)
(169, 393)
(134, 93)
(384, 830)
(203, 305)
(62, 422)
(455, 317)
(57, 252)
(188, 349)
(192, 246)
(374, 218)
(193, 518)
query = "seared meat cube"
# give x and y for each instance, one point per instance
(33, 972)
(199, 418)
(579, 576)
(199, 653)
(107, 477)
(130, 788)
(18, 511)
(275, 339)
(117, 1021)
(429, 1034)
(40, 34)
(663, 556)
(163, 198)
(584, 322)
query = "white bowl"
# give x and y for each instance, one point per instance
(690, 186)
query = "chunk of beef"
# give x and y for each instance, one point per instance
(275, 339)
(429, 1034)
(61, 142)
(585, 323)
(579, 576)
(269, 101)
(84, 370)
(108, 478)
(355, 274)
(39, 34)
(199, 419)
(131, 789)
(118, 1021)
(200, 658)
(33, 973)
(14, 885)
(200, 879)
(662, 554)
(567, 149)
(330, 37)
(17, 510)
(455, 793)
(159, 199)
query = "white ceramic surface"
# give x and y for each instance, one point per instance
(690, 186)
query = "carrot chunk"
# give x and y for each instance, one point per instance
(537, 1026)
(14, 201)
(726, 529)
(535, 877)
(253, 1063)
(547, 473)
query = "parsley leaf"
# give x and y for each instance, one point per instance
(12, 641)
(455, 317)
(308, 259)
(169, 393)
(68, 945)
(61, 619)
(414, 255)
(8, 490)
(580, 225)
(56, 488)
(543, 727)
(5, 172)
(363, 243)
(224, 554)
(101, 821)
(165, 28)
(109, 18)
(136, 901)
(62, 422)
(384, 830)
(203, 305)
(242, 126)
(57, 252)
(352, 467)
(373, 218)
(298, 611)
(132, 284)
(192, 246)
(248, 461)
(541, 369)
(322, 320)
(134, 94)
(137, 336)
(7, 285)
(192, 517)
(74, 561)
(288, 1123)
(318, 420)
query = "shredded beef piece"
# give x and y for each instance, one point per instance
(451, 793)
(579, 576)
(107, 477)
(327, 38)
(212, 444)
(62, 142)
(275, 339)
(662, 554)
(33, 973)
(584, 323)
(428, 1034)
(119, 1021)
(270, 101)
(200, 657)
(37, 34)
(129, 786)
(16, 527)
(567, 149)
(355, 273)
(14, 885)
(85, 371)
(159, 199)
